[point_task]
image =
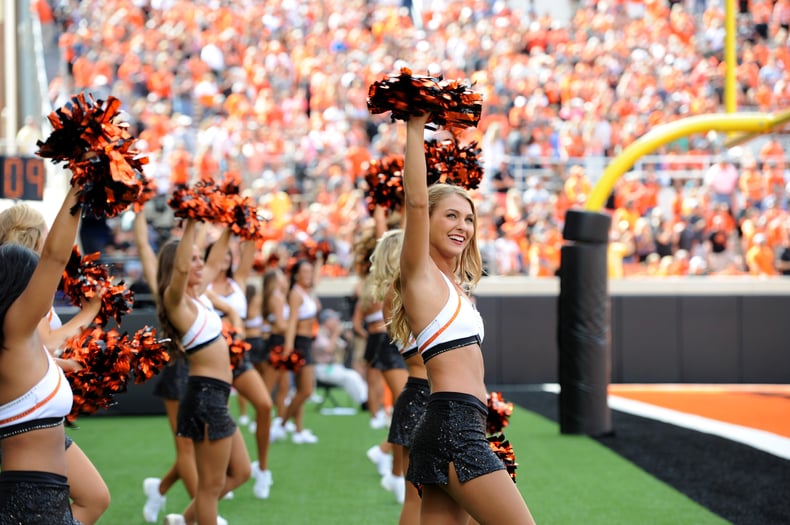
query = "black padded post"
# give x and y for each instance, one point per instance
(583, 325)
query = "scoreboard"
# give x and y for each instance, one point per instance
(22, 178)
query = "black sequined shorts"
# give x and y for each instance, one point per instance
(244, 366)
(372, 345)
(34, 498)
(259, 351)
(408, 409)
(452, 430)
(172, 379)
(389, 358)
(203, 410)
(304, 345)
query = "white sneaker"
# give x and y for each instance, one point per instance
(386, 481)
(399, 488)
(154, 501)
(290, 426)
(253, 427)
(244, 420)
(384, 466)
(175, 519)
(305, 436)
(263, 484)
(381, 459)
(396, 485)
(221, 521)
(379, 420)
(375, 454)
(277, 433)
(229, 495)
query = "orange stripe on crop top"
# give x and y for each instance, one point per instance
(200, 330)
(443, 328)
(35, 407)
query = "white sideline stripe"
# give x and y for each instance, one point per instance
(766, 441)
(759, 439)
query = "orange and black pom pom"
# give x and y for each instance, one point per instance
(149, 354)
(504, 451)
(149, 191)
(450, 104)
(451, 163)
(89, 137)
(108, 359)
(237, 346)
(384, 178)
(499, 412)
(293, 362)
(207, 201)
(82, 279)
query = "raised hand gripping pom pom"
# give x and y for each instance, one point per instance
(96, 146)
(451, 104)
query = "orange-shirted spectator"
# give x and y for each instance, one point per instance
(180, 162)
(545, 250)
(577, 186)
(772, 150)
(43, 10)
(774, 177)
(82, 72)
(628, 213)
(751, 183)
(760, 258)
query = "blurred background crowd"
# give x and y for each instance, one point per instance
(275, 92)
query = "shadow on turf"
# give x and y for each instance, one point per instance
(742, 485)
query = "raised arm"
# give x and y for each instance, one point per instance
(214, 260)
(26, 312)
(415, 255)
(182, 263)
(53, 339)
(246, 260)
(144, 250)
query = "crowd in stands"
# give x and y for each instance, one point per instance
(276, 92)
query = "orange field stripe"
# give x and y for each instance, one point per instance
(760, 408)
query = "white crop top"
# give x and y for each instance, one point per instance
(375, 317)
(206, 328)
(408, 351)
(456, 325)
(236, 299)
(308, 309)
(43, 406)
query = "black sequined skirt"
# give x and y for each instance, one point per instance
(408, 409)
(172, 379)
(204, 409)
(452, 430)
(34, 498)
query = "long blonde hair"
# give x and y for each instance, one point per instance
(385, 267)
(468, 267)
(21, 224)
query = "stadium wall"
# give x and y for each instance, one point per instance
(708, 330)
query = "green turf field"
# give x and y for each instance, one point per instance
(565, 479)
